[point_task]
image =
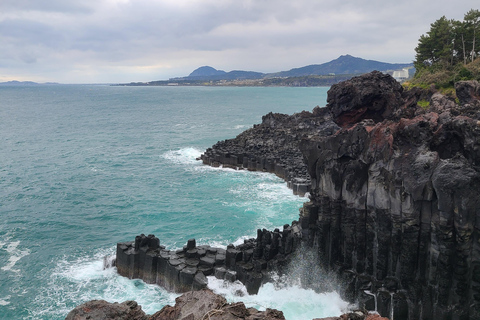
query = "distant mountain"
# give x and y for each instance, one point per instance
(342, 65)
(207, 73)
(18, 83)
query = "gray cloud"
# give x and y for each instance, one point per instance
(141, 40)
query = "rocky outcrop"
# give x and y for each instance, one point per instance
(394, 191)
(272, 146)
(395, 201)
(103, 310)
(186, 269)
(204, 304)
(194, 305)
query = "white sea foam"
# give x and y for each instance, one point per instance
(4, 301)
(183, 156)
(15, 254)
(296, 303)
(85, 279)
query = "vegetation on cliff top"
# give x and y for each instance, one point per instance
(448, 52)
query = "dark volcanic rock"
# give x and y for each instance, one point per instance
(194, 305)
(185, 270)
(398, 204)
(103, 310)
(272, 146)
(394, 200)
(395, 191)
(204, 304)
(374, 97)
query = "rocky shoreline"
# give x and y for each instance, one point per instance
(394, 206)
(394, 185)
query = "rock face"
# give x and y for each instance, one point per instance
(272, 146)
(103, 310)
(186, 269)
(395, 200)
(394, 190)
(194, 305)
(204, 304)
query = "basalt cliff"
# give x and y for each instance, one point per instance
(393, 179)
(394, 191)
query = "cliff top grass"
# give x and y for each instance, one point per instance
(444, 79)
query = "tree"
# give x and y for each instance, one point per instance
(437, 46)
(472, 28)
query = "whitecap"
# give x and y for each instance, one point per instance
(4, 302)
(187, 155)
(15, 255)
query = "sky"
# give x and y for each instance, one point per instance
(119, 41)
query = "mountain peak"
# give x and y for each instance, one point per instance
(206, 71)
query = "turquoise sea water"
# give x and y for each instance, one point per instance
(84, 167)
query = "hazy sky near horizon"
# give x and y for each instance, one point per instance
(113, 41)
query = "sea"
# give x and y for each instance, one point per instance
(83, 167)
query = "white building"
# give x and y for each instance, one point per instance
(400, 75)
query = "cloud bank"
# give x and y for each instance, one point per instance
(140, 40)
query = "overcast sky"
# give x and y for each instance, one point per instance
(105, 41)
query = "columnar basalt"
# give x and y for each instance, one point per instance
(272, 146)
(186, 269)
(395, 191)
(394, 201)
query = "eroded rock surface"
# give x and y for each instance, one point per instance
(194, 305)
(395, 191)
(103, 310)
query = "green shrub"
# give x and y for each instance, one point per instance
(424, 104)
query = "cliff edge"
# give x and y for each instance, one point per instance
(394, 190)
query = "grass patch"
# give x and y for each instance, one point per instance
(424, 104)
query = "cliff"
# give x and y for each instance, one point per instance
(394, 204)
(394, 191)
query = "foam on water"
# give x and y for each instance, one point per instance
(74, 282)
(295, 302)
(4, 302)
(15, 254)
(185, 156)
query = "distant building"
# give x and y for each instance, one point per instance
(401, 75)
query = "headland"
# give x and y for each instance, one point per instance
(394, 210)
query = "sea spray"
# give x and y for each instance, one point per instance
(295, 302)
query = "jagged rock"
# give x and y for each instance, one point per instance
(194, 305)
(103, 310)
(374, 97)
(394, 199)
(468, 91)
(394, 190)
(204, 304)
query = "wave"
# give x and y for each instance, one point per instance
(73, 282)
(183, 156)
(295, 302)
